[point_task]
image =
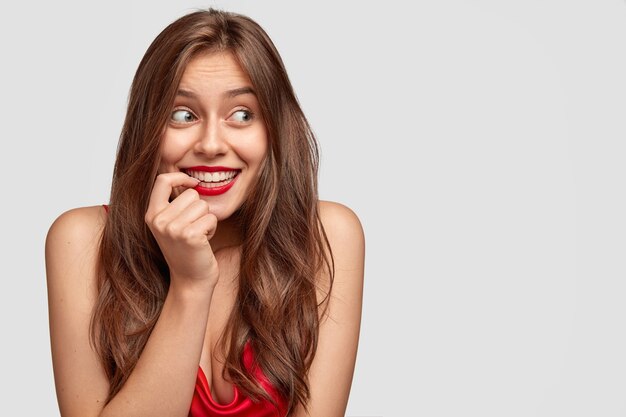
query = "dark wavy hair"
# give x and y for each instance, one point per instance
(284, 249)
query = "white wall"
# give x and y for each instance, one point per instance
(480, 142)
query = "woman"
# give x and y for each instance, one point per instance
(215, 282)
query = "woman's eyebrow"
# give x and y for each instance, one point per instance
(186, 93)
(239, 91)
(229, 94)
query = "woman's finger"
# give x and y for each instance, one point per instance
(204, 226)
(192, 211)
(162, 189)
(174, 221)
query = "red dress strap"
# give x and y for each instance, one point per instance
(106, 208)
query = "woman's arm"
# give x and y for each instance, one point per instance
(331, 372)
(71, 248)
(162, 383)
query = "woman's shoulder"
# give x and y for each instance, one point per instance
(79, 222)
(75, 232)
(340, 221)
(347, 241)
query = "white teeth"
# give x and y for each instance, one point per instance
(209, 177)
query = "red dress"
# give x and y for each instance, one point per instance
(203, 405)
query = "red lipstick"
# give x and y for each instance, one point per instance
(214, 190)
(210, 169)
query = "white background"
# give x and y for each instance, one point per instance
(480, 142)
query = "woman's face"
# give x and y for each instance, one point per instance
(215, 132)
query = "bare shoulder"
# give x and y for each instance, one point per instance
(72, 242)
(347, 243)
(72, 246)
(345, 234)
(338, 217)
(77, 225)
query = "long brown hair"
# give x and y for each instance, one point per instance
(284, 247)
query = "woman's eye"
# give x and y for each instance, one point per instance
(242, 116)
(183, 116)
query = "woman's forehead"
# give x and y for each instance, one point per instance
(214, 67)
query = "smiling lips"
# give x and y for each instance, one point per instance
(215, 180)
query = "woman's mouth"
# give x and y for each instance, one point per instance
(213, 180)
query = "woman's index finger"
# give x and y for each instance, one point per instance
(163, 186)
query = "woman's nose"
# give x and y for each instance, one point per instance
(212, 141)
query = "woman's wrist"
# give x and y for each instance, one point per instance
(190, 290)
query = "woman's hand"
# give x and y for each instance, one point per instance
(182, 229)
